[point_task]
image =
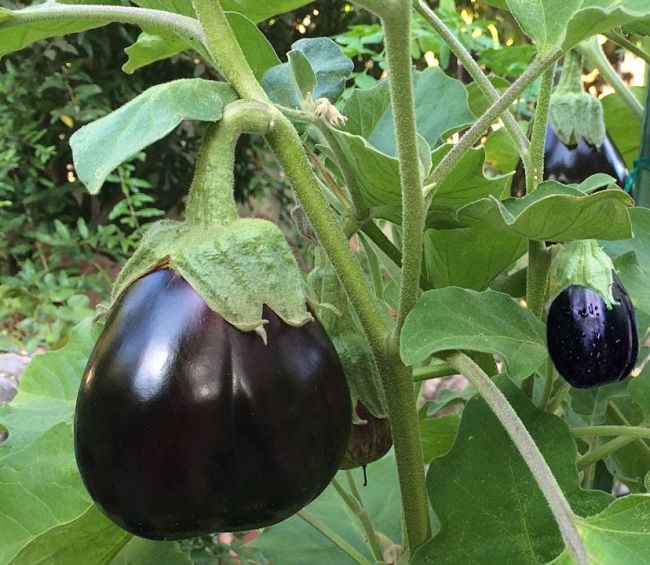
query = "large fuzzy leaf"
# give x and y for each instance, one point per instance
(489, 322)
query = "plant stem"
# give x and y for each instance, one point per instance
(361, 211)
(475, 72)
(221, 43)
(437, 371)
(378, 237)
(397, 25)
(539, 265)
(336, 539)
(396, 378)
(616, 414)
(625, 43)
(539, 259)
(211, 201)
(594, 55)
(287, 147)
(473, 135)
(571, 76)
(529, 451)
(548, 385)
(353, 502)
(187, 28)
(538, 137)
(603, 451)
(560, 395)
(377, 7)
(598, 431)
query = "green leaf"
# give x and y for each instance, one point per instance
(469, 257)
(16, 32)
(476, 98)
(329, 66)
(639, 389)
(252, 9)
(508, 60)
(377, 173)
(555, 212)
(632, 261)
(466, 182)
(489, 322)
(501, 151)
(370, 114)
(639, 244)
(258, 11)
(102, 145)
(619, 534)
(152, 47)
(176, 6)
(291, 541)
(438, 435)
(623, 127)
(564, 23)
(40, 487)
(490, 496)
(303, 74)
(90, 538)
(144, 552)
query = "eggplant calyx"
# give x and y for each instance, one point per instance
(583, 263)
(236, 269)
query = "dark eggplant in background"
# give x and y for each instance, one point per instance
(573, 164)
(590, 345)
(187, 426)
(369, 441)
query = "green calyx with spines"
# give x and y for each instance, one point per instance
(574, 113)
(236, 269)
(237, 265)
(583, 263)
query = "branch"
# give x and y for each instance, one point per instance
(592, 52)
(187, 28)
(599, 431)
(485, 121)
(625, 43)
(398, 56)
(336, 539)
(353, 502)
(529, 451)
(221, 43)
(480, 78)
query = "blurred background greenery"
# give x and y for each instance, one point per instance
(60, 248)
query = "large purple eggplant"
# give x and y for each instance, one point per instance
(186, 426)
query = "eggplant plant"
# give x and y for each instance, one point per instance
(226, 390)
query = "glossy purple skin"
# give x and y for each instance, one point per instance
(187, 426)
(574, 164)
(589, 345)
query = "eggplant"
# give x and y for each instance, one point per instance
(574, 164)
(187, 426)
(590, 345)
(369, 441)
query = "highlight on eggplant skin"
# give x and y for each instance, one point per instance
(590, 345)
